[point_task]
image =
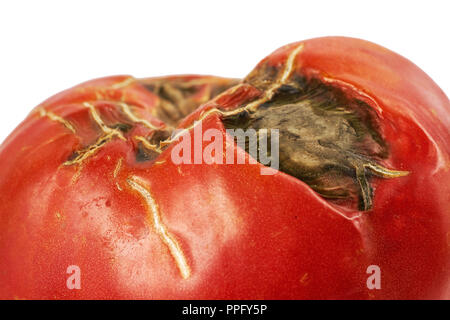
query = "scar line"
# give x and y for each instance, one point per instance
(54, 117)
(166, 237)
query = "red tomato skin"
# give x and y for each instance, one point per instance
(242, 235)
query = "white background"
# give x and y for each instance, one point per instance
(48, 46)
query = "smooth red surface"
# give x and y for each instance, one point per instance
(244, 235)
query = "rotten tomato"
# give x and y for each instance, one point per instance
(361, 182)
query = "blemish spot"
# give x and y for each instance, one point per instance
(305, 278)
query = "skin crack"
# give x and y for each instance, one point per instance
(288, 67)
(90, 150)
(54, 117)
(107, 130)
(147, 144)
(117, 168)
(251, 107)
(123, 84)
(154, 215)
(127, 110)
(108, 135)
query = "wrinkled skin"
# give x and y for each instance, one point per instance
(85, 181)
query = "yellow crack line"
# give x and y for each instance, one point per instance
(116, 172)
(288, 68)
(54, 117)
(90, 150)
(117, 168)
(385, 172)
(147, 144)
(107, 130)
(77, 174)
(154, 215)
(127, 110)
(200, 119)
(124, 83)
(229, 91)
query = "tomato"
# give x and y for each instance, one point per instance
(89, 180)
